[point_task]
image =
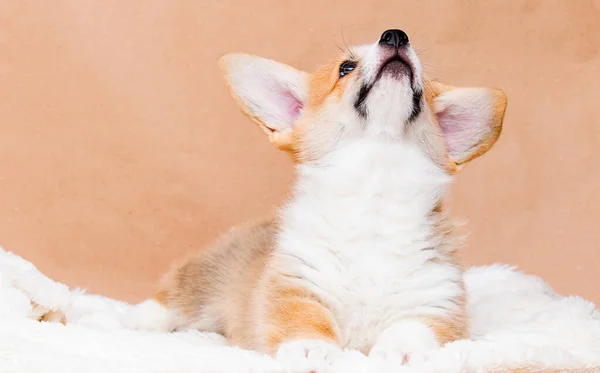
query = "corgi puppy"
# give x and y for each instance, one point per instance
(363, 255)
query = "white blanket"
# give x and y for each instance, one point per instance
(518, 325)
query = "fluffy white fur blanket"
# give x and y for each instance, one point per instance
(518, 325)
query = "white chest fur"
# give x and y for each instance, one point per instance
(358, 234)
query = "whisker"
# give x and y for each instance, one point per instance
(420, 51)
(343, 38)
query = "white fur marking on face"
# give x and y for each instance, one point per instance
(390, 105)
(390, 101)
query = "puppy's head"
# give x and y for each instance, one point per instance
(375, 91)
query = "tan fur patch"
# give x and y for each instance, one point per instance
(455, 325)
(161, 296)
(325, 83)
(293, 313)
(309, 141)
(449, 329)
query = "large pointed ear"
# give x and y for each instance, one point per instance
(272, 94)
(470, 118)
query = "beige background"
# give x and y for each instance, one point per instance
(120, 147)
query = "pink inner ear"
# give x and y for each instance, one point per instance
(462, 129)
(291, 104)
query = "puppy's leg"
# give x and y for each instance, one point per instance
(297, 326)
(181, 299)
(412, 339)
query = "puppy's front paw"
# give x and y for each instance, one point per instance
(406, 342)
(317, 352)
(390, 353)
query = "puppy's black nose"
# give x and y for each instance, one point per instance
(394, 38)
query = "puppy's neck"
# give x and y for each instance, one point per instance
(367, 191)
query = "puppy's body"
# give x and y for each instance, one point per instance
(379, 253)
(362, 255)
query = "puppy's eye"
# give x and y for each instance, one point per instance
(346, 68)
